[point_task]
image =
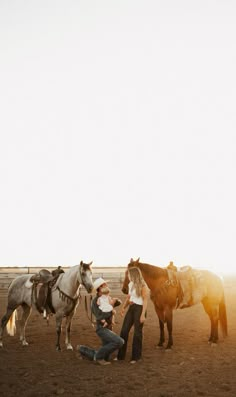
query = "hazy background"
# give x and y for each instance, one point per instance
(117, 132)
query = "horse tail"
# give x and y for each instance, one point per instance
(11, 324)
(223, 316)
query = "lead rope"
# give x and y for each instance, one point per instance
(90, 317)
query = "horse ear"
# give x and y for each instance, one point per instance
(90, 264)
(138, 259)
(131, 260)
(81, 263)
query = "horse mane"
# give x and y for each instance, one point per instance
(151, 270)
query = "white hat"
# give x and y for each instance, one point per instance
(98, 282)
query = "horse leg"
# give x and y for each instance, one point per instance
(162, 333)
(68, 325)
(58, 330)
(213, 338)
(213, 314)
(4, 322)
(169, 321)
(214, 331)
(214, 326)
(23, 321)
(161, 326)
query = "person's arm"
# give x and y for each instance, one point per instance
(125, 304)
(144, 294)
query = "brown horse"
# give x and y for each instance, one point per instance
(165, 293)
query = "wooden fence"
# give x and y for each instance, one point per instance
(115, 275)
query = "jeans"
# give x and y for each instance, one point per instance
(132, 318)
(110, 343)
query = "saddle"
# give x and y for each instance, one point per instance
(185, 278)
(43, 281)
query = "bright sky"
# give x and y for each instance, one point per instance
(118, 131)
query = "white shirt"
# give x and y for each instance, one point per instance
(104, 303)
(133, 296)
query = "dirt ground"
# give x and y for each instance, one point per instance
(191, 368)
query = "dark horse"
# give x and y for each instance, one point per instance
(165, 292)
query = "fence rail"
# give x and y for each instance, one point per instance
(115, 275)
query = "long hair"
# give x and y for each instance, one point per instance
(136, 277)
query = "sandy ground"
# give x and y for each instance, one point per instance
(191, 368)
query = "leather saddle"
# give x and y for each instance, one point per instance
(43, 281)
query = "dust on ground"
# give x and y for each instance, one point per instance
(192, 367)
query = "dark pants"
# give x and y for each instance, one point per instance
(132, 318)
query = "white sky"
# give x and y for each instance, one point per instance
(118, 132)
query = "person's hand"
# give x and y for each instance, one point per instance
(142, 318)
(122, 312)
(117, 302)
(104, 323)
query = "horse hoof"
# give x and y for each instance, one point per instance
(69, 347)
(213, 344)
(24, 343)
(1, 345)
(160, 347)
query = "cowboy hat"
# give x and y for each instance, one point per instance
(98, 282)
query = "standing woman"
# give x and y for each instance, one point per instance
(135, 316)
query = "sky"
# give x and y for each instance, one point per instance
(118, 132)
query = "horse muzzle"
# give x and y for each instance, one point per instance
(89, 289)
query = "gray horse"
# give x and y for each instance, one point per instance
(64, 300)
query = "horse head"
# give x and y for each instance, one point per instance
(132, 263)
(124, 288)
(86, 276)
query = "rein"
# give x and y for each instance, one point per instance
(90, 317)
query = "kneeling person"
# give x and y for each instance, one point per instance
(110, 341)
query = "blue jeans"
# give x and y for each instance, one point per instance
(132, 318)
(110, 343)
